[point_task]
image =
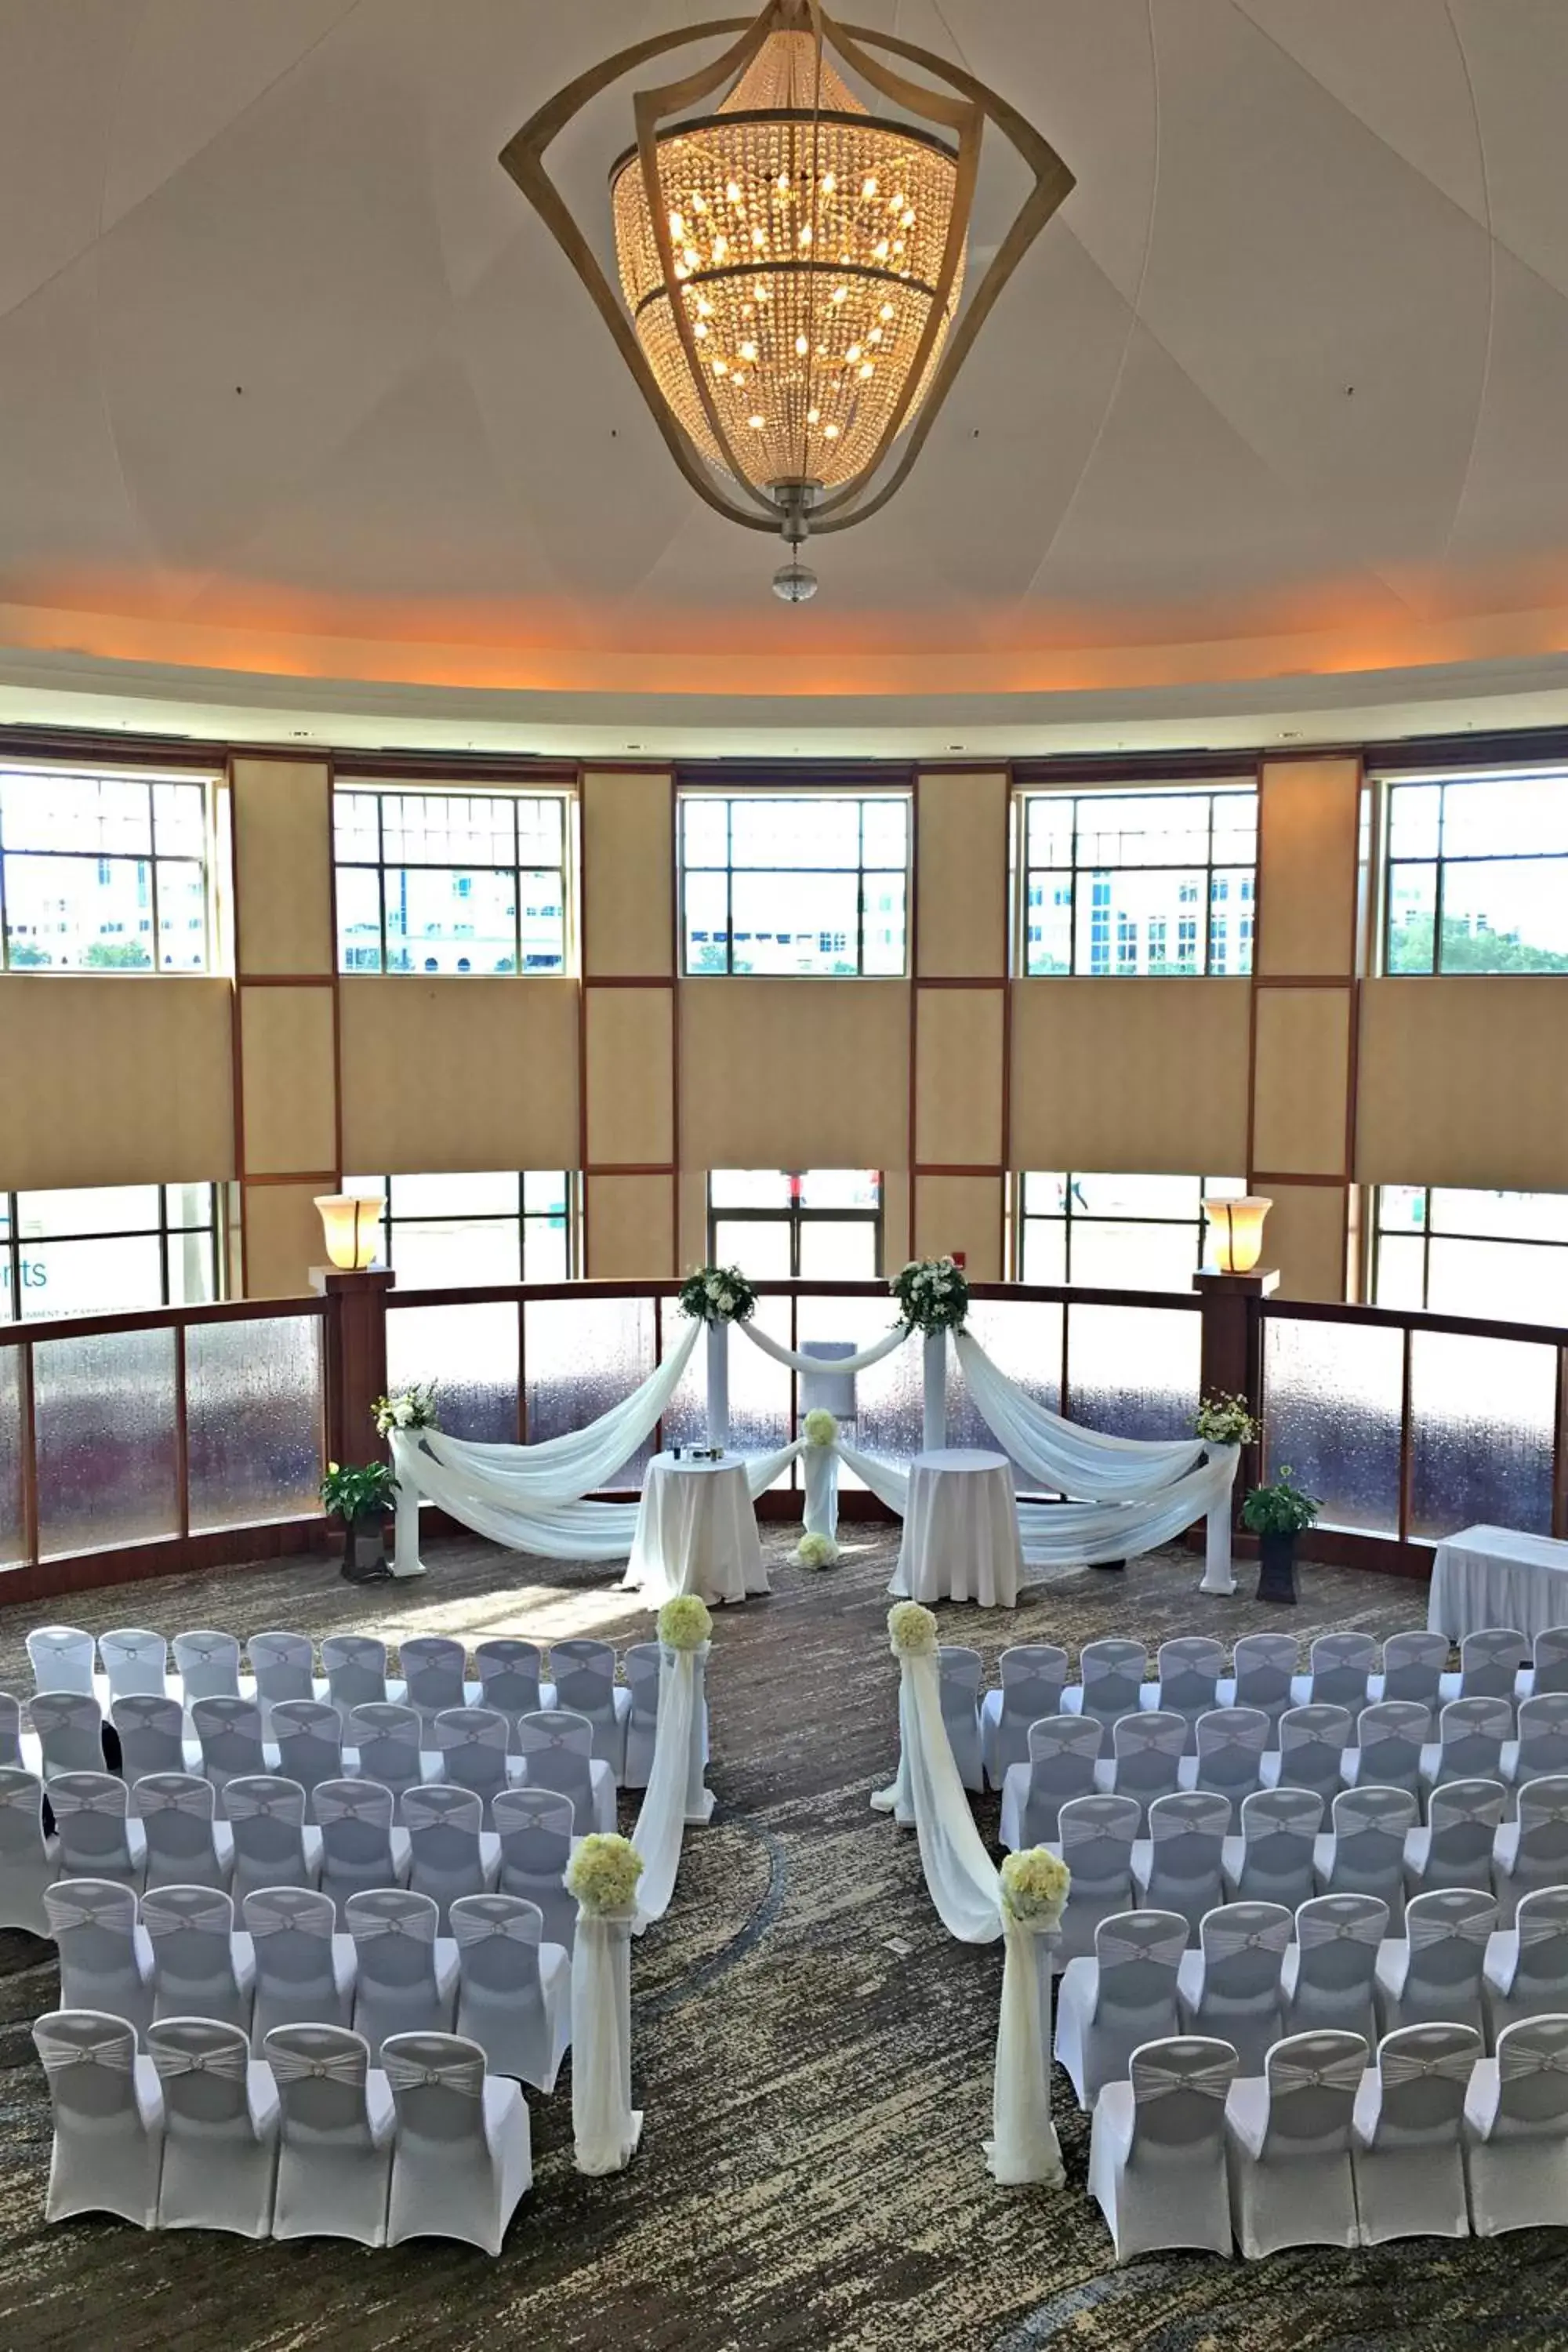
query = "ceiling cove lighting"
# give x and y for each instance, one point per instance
(791, 266)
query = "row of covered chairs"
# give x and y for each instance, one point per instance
(1316, 1747)
(307, 2139)
(1191, 1678)
(177, 1953)
(1326, 2144)
(163, 1832)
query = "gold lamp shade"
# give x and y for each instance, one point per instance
(1236, 1232)
(351, 1222)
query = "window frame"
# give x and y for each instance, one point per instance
(1021, 1217)
(1387, 785)
(1211, 788)
(147, 779)
(380, 788)
(387, 1224)
(1377, 1233)
(797, 1217)
(13, 1241)
(902, 794)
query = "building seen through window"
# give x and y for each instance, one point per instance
(446, 1232)
(1140, 884)
(1478, 874)
(95, 1250)
(449, 881)
(1115, 1232)
(1453, 1252)
(816, 1224)
(810, 884)
(102, 873)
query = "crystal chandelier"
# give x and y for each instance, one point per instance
(792, 265)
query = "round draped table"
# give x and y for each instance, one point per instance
(696, 1532)
(960, 1530)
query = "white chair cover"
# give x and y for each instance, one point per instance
(207, 1664)
(1096, 1838)
(338, 2122)
(272, 1846)
(1533, 1852)
(308, 1736)
(1433, 1974)
(1551, 1660)
(1412, 1665)
(69, 1731)
(509, 1679)
(472, 1745)
(1265, 1665)
(200, 1967)
(463, 2160)
(229, 1731)
(28, 1859)
(186, 1846)
(583, 1673)
(1148, 1750)
(1405, 2145)
(514, 1991)
(1390, 1735)
(1189, 1669)
(105, 1957)
(97, 1837)
(360, 1847)
(1231, 1742)
(1231, 1985)
(1034, 1675)
(152, 1735)
(1456, 1848)
(1125, 1996)
(534, 1829)
(1526, 1972)
(1156, 2158)
(304, 1971)
(135, 1663)
(1179, 1868)
(283, 1666)
(1489, 1662)
(385, 1741)
(1113, 1676)
(1364, 1852)
(1272, 1860)
(1341, 1666)
(1061, 1751)
(1312, 1742)
(1542, 1737)
(62, 1660)
(433, 1670)
(10, 1731)
(108, 2148)
(958, 1670)
(450, 1855)
(404, 1984)
(1328, 1973)
(643, 1663)
(1470, 1732)
(220, 2129)
(1287, 2144)
(356, 1668)
(556, 1749)
(1516, 2129)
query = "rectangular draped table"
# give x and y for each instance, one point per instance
(1496, 1576)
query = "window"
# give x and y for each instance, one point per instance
(809, 883)
(822, 1224)
(102, 873)
(1458, 1253)
(449, 882)
(1140, 883)
(442, 1233)
(99, 1251)
(1478, 874)
(1116, 1233)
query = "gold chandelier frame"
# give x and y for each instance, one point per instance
(963, 110)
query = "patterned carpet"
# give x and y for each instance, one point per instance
(811, 2049)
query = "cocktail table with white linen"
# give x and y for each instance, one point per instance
(696, 1532)
(960, 1530)
(1498, 1576)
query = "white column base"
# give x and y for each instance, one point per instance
(1219, 1576)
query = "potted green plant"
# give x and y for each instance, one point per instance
(361, 1497)
(1277, 1515)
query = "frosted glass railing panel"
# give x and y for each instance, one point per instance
(1481, 1423)
(1023, 1339)
(104, 1416)
(758, 1388)
(13, 1538)
(1132, 1372)
(471, 1353)
(1332, 1412)
(254, 1406)
(581, 1356)
(889, 1395)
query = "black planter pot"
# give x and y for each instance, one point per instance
(364, 1550)
(1277, 1567)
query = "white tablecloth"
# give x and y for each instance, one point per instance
(1495, 1576)
(960, 1530)
(696, 1532)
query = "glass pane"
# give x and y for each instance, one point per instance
(707, 900)
(749, 1188)
(89, 913)
(460, 1193)
(1502, 914)
(545, 1192)
(583, 1356)
(840, 1187)
(102, 814)
(1045, 1250)
(889, 1394)
(794, 832)
(448, 1253)
(1332, 1412)
(543, 920)
(448, 829)
(439, 919)
(885, 895)
(1401, 1271)
(1517, 1282)
(105, 1418)
(796, 922)
(91, 1277)
(1132, 1256)
(1481, 1412)
(758, 1245)
(1412, 915)
(541, 832)
(839, 1250)
(760, 1390)
(188, 1204)
(182, 916)
(88, 1209)
(359, 918)
(471, 1353)
(546, 1249)
(1414, 814)
(1135, 922)
(1047, 925)
(1503, 1216)
(1139, 1196)
(1506, 815)
(1050, 834)
(12, 1543)
(1143, 829)
(1402, 1208)
(886, 832)
(254, 1405)
(1132, 1372)
(1236, 829)
(1231, 918)
(192, 1268)
(704, 833)
(357, 834)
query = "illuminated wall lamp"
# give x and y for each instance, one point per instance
(1236, 1232)
(351, 1222)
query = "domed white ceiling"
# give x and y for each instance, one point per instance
(297, 394)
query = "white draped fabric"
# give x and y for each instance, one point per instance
(606, 2127)
(837, 1364)
(669, 1800)
(1062, 1456)
(966, 1889)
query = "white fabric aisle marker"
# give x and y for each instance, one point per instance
(606, 2127)
(675, 1794)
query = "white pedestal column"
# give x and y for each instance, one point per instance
(405, 1559)
(718, 1384)
(819, 1472)
(606, 2127)
(1218, 1575)
(934, 1435)
(700, 1799)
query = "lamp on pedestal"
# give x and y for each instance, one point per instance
(351, 1222)
(1236, 1232)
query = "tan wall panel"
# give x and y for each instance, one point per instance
(896, 1250)
(960, 1213)
(628, 874)
(1307, 843)
(283, 863)
(1464, 1081)
(962, 876)
(457, 1073)
(114, 1081)
(283, 1240)
(290, 1080)
(794, 1073)
(692, 1201)
(631, 1094)
(1304, 1237)
(1143, 1076)
(629, 1228)
(1301, 1078)
(958, 1072)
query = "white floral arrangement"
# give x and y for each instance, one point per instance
(1226, 1420)
(603, 1874)
(718, 1294)
(1034, 1885)
(685, 1622)
(412, 1408)
(820, 1427)
(911, 1629)
(932, 1295)
(816, 1551)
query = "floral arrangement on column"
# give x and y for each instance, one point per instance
(718, 1294)
(911, 1629)
(1226, 1420)
(412, 1408)
(685, 1622)
(932, 1295)
(603, 1875)
(1034, 1884)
